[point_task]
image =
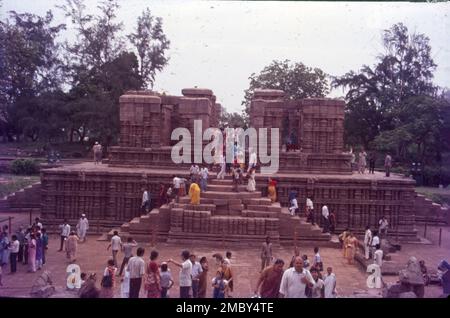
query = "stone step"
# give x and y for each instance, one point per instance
(231, 195)
(224, 188)
(221, 181)
(261, 214)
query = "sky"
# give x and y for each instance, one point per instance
(219, 44)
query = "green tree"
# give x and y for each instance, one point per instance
(232, 120)
(394, 105)
(295, 79)
(375, 94)
(30, 74)
(151, 44)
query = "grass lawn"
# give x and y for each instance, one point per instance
(441, 196)
(11, 183)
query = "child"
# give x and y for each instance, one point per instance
(83, 277)
(305, 261)
(166, 280)
(219, 285)
(125, 286)
(317, 262)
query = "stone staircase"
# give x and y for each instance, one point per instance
(426, 211)
(23, 200)
(223, 216)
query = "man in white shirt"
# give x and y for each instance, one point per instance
(136, 267)
(310, 210)
(295, 280)
(194, 171)
(367, 240)
(383, 226)
(329, 282)
(252, 160)
(82, 227)
(326, 221)
(65, 231)
(176, 187)
(204, 179)
(38, 223)
(221, 174)
(13, 253)
(115, 245)
(375, 241)
(196, 271)
(185, 274)
(145, 206)
(378, 256)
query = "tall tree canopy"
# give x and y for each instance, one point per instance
(51, 90)
(30, 69)
(151, 44)
(394, 105)
(295, 79)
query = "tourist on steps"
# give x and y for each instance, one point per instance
(310, 211)
(272, 190)
(293, 204)
(194, 193)
(367, 240)
(251, 185)
(266, 253)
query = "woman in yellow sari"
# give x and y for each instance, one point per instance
(194, 193)
(343, 239)
(352, 245)
(271, 190)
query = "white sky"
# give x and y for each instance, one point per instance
(218, 44)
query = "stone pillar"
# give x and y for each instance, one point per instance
(140, 121)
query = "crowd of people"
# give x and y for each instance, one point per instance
(359, 163)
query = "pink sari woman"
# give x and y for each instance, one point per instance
(152, 281)
(32, 254)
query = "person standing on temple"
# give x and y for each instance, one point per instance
(162, 194)
(82, 227)
(252, 160)
(221, 174)
(251, 185)
(372, 162)
(97, 153)
(326, 221)
(388, 164)
(272, 190)
(293, 208)
(194, 193)
(204, 178)
(378, 256)
(367, 241)
(383, 226)
(65, 231)
(374, 242)
(145, 205)
(266, 253)
(362, 161)
(310, 211)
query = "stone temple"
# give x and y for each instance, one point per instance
(110, 194)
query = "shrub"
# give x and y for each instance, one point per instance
(24, 167)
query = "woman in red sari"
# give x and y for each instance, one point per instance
(152, 281)
(272, 190)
